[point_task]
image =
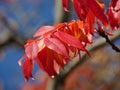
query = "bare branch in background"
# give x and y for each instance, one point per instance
(12, 34)
(102, 33)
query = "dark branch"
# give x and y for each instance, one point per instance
(103, 34)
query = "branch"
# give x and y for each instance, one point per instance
(15, 36)
(102, 33)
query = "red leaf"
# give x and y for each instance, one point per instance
(113, 21)
(97, 11)
(113, 3)
(50, 61)
(60, 60)
(56, 67)
(31, 49)
(56, 45)
(45, 61)
(70, 40)
(65, 5)
(89, 25)
(81, 8)
(43, 30)
(27, 69)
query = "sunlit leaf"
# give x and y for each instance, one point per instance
(43, 30)
(56, 45)
(31, 49)
(70, 40)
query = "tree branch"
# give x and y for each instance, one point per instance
(102, 33)
(15, 36)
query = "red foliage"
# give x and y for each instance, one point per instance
(53, 44)
(51, 49)
(84, 7)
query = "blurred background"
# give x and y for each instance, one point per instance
(19, 19)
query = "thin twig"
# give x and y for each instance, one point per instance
(103, 34)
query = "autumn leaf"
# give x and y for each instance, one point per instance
(113, 3)
(70, 40)
(56, 45)
(114, 14)
(31, 49)
(45, 59)
(43, 30)
(98, 12)
(89, 25)
(81, 8)
(50, 61)
(27, 68)
(112, 19)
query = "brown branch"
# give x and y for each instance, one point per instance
(103, 34)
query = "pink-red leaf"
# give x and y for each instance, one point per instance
(113, 3)
(70, 40)
(56, 45)
(31, 49)
(43, 30)
(113, 21)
